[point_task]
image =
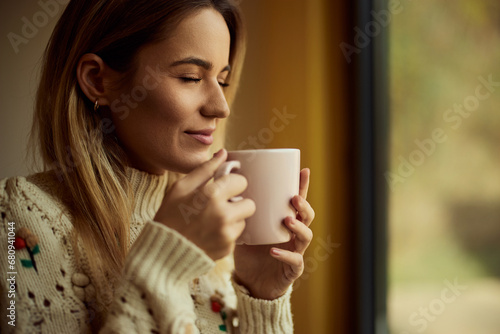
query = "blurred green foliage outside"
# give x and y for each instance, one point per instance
(444, 207)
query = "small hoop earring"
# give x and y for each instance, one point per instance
(96, 104)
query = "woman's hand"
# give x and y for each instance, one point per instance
(201, 211)
(267, 271)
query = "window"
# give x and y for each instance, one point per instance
(444, 175)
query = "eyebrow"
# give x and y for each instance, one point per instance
(198, 62)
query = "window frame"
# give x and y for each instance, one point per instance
(372, 129)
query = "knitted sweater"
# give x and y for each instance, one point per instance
(168, 283)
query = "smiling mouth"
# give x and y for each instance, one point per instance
(204, 136)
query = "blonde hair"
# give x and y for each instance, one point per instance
(72, 140)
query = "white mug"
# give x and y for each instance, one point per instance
(273, 179)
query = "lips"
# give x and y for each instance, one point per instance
(204, 136)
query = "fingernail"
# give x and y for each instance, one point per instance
(276, 251)
(218, 153)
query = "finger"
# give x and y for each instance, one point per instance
(305, 212)
(235, 230)
(304, 182)
(241, 210)
(294, 260)
(303, 234)
(226, 186)
(204, 172)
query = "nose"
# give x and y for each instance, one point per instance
(216, 104)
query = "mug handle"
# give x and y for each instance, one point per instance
(226, 168)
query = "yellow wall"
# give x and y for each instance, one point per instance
(294, 62)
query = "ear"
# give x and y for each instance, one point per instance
(94, 78)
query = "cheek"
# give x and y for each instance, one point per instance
(169, 104)
(159, 117)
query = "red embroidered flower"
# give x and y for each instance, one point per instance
(19, 243)
(216, 306)
(26, 239)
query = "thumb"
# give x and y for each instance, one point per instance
(205, 171)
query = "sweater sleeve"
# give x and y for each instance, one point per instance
(260, 316)
(154, 295)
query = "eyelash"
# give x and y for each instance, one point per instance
(196, 80)
(187, 79)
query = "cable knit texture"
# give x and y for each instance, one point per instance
(169, 285)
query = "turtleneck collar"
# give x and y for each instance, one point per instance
(148, 190)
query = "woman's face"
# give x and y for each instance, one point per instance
(165, 118)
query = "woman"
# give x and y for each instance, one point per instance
(130, 96)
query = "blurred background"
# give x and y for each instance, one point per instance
(298, 90)
(444, 213)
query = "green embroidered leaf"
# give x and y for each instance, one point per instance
(223, 315)
(36, 249)
(222, 328)
(26, 263)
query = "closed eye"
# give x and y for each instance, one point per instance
(188, 79)
(196, 80)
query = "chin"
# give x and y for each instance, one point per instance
(188, 163)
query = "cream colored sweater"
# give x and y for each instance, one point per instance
(168, 282)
